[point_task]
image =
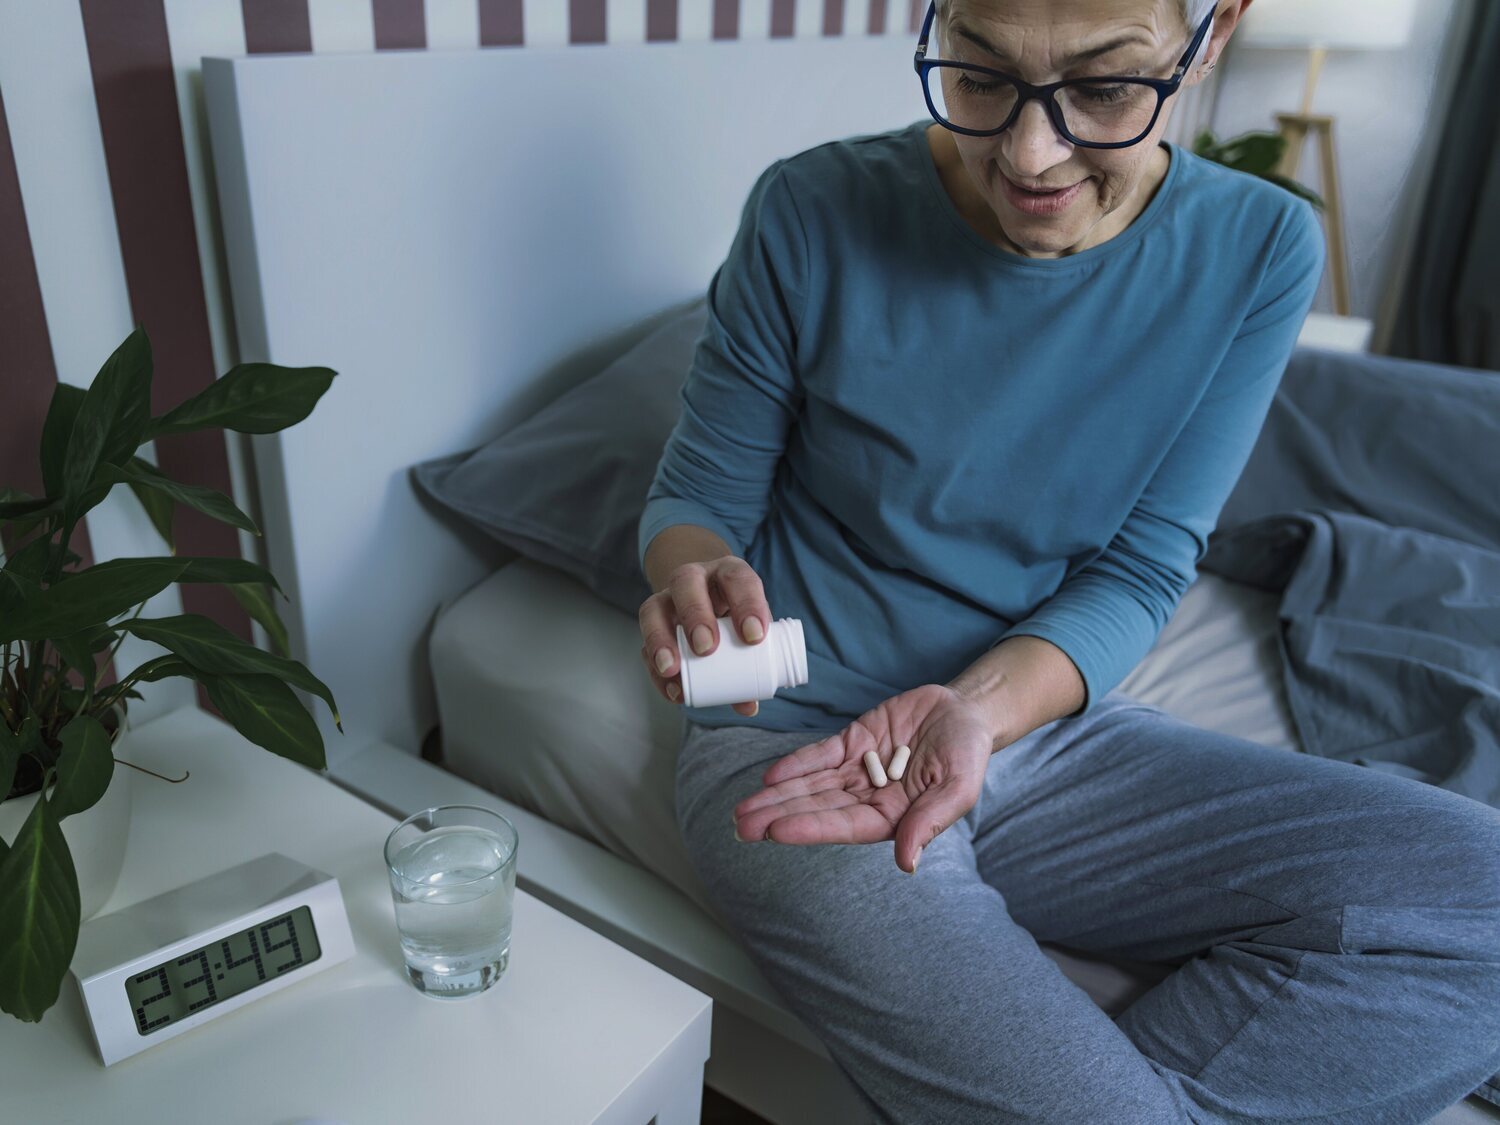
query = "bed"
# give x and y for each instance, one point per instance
(390, 215)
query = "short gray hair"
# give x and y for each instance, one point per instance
(1193, 11)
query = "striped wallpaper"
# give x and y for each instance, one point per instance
(108, 217)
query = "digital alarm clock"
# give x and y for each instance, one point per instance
(169, 964)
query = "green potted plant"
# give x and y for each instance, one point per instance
(59, 727)
(1257, 153)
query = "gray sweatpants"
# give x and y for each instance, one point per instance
(1335, 931)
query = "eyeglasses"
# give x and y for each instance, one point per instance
(1104, 112)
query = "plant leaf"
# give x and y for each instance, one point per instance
(39, 913)
(214, 568)
(209, 647)
(10, 757)
(158, 506)
(14, 743)
(101, 638)
(77, 655)
(83, 768)
(252, 398)
(14, 504)
(110, 423)
(20, 525)
(141, 474)
(87, 502)
(14, 592)
(56, 429)
(85, 765)
(1256, 153)
(87, 597)
(257, 602)
(160, 667)
(31, 560)
(268, 713)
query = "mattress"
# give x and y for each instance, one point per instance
(543, 701)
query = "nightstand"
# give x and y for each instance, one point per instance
(578, 1030)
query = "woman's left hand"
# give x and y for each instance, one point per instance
(821, 793)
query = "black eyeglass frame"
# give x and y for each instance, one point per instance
(1047, 94)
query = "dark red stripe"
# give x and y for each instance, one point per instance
(500, 23)
(833, 17)
(661, 20)
(586, 21)
(783, 18)
(877, 17)
(915, 12)
(28, 371)
(136, 97)
(399, 25)
(726, 19)
(273, 26)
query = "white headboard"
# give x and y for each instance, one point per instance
(462, 235)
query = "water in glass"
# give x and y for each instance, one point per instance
(453, 909)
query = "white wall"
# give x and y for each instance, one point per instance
(1383, 105)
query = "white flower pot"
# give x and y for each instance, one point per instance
(96, 837)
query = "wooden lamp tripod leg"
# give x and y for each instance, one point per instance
(1295, 127)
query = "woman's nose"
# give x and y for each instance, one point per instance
(1031, 145)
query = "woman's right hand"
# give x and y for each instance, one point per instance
(696, 595)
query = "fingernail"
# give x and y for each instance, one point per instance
(673, 692)
(663, 660)
(754, 710)
(702, 638)
(752, 629)
(916, 859)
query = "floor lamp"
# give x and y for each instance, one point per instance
(1320, 26)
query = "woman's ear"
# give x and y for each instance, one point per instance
(1226, 19)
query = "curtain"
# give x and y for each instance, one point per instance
(1449, 308)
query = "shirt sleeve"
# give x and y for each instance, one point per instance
(741, 394)
(1108, 614)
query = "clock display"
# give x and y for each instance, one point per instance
(223, 968)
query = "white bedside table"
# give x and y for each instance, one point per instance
(579, 1030)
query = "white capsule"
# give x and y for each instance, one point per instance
(875, 769)
(898, 763)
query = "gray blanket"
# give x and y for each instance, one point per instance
(1371, 502)
(1390, 641)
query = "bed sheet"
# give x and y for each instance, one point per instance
(543, 702)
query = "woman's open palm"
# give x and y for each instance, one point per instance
(821, 793)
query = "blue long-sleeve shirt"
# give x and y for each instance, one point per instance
(925, 444)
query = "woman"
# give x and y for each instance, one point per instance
(970, 397)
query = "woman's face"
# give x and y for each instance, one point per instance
(1050, 196)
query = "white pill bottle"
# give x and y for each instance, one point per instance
(738, 671)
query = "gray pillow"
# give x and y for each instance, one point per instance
(1409, 444)
(566, 487)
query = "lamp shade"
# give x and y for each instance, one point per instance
(1355, 25)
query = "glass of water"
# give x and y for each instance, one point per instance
(453, 876)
